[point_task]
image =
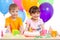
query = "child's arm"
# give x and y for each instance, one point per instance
(27, 26)
(8, 29)
(42, 26)
(21, 26)
(22, 29)
(7, 26)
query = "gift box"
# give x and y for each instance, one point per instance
(43, 32)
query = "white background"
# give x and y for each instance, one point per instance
(54, 22)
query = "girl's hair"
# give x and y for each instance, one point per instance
(34, 9)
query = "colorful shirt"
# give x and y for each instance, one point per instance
(14, 24)
(34, 25)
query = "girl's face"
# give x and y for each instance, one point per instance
(14, 12)
(35, 15)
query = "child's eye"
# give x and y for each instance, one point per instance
(12, 11)
(16, 11)
(38, 13)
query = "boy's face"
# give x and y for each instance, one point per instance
(35, 15)
(14, 12)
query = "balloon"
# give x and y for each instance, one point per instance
(22, 15)
(38, 5)
(4, 5)
(15, 32)
(46, 11)
(28, 15)
(0, 6)
(29, 3)
(42, 1)
(19, 4)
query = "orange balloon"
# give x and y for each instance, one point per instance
(29, 3)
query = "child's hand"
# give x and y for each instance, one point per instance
(21, 30)
(7, 31)
(42, 26)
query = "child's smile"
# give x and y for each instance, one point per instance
(14, 12)
(35, 15)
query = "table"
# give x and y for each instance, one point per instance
(10, 36)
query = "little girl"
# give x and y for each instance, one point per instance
(35, 24)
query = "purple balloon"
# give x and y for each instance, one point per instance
(46, 11)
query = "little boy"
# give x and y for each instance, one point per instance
(13, 22)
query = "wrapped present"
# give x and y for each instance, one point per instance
(43, 32)
(15, 32)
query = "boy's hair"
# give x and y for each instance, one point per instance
(12, 6)
(34, 9)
